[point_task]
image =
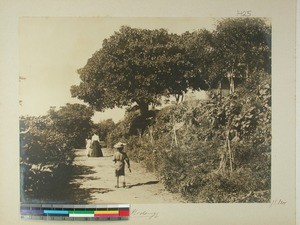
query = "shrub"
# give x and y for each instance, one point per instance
(46, 156)
(217, 150)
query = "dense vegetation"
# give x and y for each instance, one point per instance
(140, 66)
(47, 151)
(216, 149)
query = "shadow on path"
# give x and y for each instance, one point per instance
(66, 187)
(78, 194)
(84, 195)
(141, 184)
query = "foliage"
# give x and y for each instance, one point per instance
(103, 128)
(139, 66)
(72, 120)
(133, 124)
(217, 150)
(47, 151)
(199, 51)
(122, 129)
(240, 47)
(195, 166)
(134, 66)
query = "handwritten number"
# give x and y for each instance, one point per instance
(244, 13)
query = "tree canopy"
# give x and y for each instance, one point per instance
(47, 149)
(199, 49)
(139, 66)
(241, 47)
(134, 66)
(74, 120)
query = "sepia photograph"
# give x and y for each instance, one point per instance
(145, 110)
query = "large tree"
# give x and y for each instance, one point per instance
(242, 46)
(73, 121)
(134, 66)
(199, 51)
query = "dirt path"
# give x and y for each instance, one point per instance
(96, 181)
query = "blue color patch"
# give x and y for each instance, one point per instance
(56, 212)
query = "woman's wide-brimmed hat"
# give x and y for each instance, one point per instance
(119, 145)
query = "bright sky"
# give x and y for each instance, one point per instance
(52, 49)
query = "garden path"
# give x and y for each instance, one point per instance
(95, 181)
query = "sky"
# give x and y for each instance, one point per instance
(51, 50)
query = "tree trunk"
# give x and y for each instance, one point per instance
(144, 108)
(179, 97)
(220, 88)
(230, 77)
(182, 97)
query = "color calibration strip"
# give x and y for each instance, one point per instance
(75, 212)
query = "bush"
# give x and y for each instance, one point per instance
(46, 157)
(222, 151)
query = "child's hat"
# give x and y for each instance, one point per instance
(119, 145)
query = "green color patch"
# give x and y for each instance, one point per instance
(81, 212)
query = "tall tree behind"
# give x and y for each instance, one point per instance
(199, 51)
(242, 46)
(72, 120)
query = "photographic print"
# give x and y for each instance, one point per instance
(145, 110)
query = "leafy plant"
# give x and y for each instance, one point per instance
(47, 151)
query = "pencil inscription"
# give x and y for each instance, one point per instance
(244, 13)
(144, 213)
(277, 202)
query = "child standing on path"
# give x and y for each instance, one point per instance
(120, 157)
